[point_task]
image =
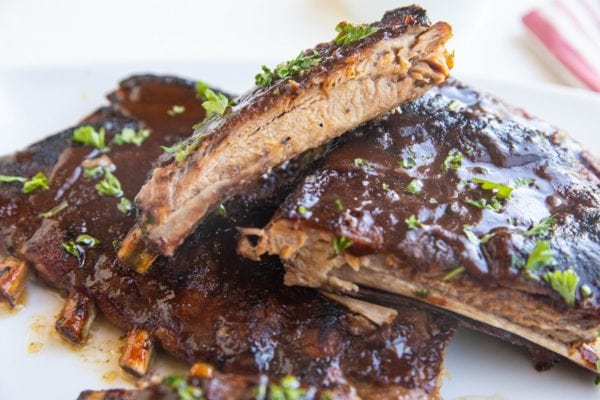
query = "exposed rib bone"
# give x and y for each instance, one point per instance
(377, 314)
(202, 370)
(133, 252)
(75, 318)
(13, 277)
(137, 356)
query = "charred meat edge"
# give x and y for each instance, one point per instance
(399, 62)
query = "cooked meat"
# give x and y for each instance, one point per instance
(206, 303)
(215, 386)
(352, 83)
(460, 201)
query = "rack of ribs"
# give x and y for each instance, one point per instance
(204, 304)
(459, 201)
(343, 84)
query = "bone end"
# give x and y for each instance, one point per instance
(13, 278)
(134, 254)
(138, 353)
(202, 370)
(76, 318)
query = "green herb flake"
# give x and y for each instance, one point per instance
(221, 210)
(125, 205)
(302, 210)
(109, 186)
(56, 210)
(183, 149)
(453, 274)
(214, 102)
(87, 241)
(184, 390)
(93, 173)
(500, 190)
(89, 136)
(493, 205)
(297, 66)
(327, 395)
(339, 205)
(597, 379)
(385, 187)
(413, 222)
(409, 161)
(11, 179)
(364, 164)
(421, 293)
(415, 186)
(586, 291)
(564, 283)
(72, 248)
(473, 238)
(39, 180)
(523, 182)
(131, 136)
(454, 105)
(340, 244)
(176, 110)
(541, 228)
(453, 160)
(348, 33)
(541, 256)
(287, 389)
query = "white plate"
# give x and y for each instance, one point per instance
(34, 363)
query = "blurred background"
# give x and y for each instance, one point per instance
(490, 40)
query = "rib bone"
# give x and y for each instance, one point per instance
(76, 318)
(13, 277)
(137, 356)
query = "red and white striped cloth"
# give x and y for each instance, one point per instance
(569, 31)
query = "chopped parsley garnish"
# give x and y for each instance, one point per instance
(421, 293)
(586, 291)
(542, 227)
(131, 136)
(413, 222)
(453, 160)
(340, 244)
(348, 33)
(298, 66)
(564, 283)
(214, 102)
(473, 238)
(339, 204)
(184, 390)
(493, 205)
(453, 105)
(93, 173)
(361, 162)
(541, 256)
(521, 182)
(125, 205)
(302, 210)
(56, 210)
(408, 161)
(176, 110)
(109, 185)
(415, 186)
(11, 179)
(500, 190)
(183, 149)
(37, 181)
(453, 274)
(385, 186)
(89, 136)
(287, 389)
(221, 210)
(75, 247)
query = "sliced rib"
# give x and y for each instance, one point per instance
(361, 220)
(403, 58)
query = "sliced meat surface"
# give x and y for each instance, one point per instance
(347, 83)
(462, 202)
(206, 303)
